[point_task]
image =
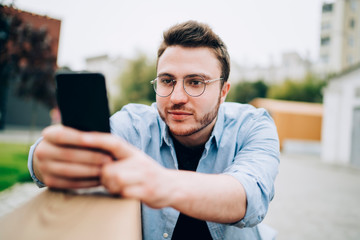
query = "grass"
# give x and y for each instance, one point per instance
(13, 164)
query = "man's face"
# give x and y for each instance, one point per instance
(186, 115)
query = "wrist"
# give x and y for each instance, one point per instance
(181, 188)
(36, 172)
(35, 175)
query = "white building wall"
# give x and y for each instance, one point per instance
(345, 122)
(111, 68)
(339, 103)
(330, 131)
(292, 66)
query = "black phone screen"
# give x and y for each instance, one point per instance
(82, 101)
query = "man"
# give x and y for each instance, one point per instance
(202, 168)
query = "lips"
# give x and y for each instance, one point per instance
(179, 115)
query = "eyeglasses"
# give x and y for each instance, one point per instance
(194, 85)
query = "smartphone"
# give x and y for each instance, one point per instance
(82, 101)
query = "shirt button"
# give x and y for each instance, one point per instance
(165, 235)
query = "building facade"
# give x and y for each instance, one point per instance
(292, 66)
(339, 35)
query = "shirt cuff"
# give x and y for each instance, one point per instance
(30, 164)
(256, 205)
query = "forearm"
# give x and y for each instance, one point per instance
(211, 197)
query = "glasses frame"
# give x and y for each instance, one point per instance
(173, 87)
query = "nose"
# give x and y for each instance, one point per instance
(179, 96)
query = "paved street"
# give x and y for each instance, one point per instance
(19, 135)
(313, 200)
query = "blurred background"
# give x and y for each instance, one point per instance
(299, 59)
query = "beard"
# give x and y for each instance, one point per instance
(200, 123)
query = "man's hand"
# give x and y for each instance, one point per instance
(68, 158)
(63, 160)
(133, 174)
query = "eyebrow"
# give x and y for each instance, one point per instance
(205, 76)
(165, 74)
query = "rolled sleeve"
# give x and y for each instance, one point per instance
(30, 164)
(257, 198)
(255, 166)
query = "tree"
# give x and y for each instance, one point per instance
(135, 82)
(26, 60)
(244, 92)
(308, 90)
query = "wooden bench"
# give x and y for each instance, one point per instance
(63, 215)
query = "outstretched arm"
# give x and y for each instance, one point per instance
(63, 160)
(211, 197)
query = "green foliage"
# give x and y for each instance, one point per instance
(244, 92)
(308, 90)
(13, 164)
(135, 82)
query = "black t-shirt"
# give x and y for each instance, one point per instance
(187, 227)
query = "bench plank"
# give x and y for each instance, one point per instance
(60, 215)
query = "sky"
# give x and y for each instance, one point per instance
(256, 32)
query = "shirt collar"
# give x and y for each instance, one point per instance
(219, 126)
(165, 134)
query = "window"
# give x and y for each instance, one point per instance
(352, 23)
(325, 26)
(357, 92)
(327, 7)
(351, 41)
(353, 5)
(325, 41)
(324, 58)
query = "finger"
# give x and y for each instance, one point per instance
(64, 183)
(71, 154)
(135, 192)
(121, 173)
(71, 170)
(62, 135)
(110, 179)
(59, 134)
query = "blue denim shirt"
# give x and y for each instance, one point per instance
(243, 144)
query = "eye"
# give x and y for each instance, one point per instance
(194, 81)
(166, 81)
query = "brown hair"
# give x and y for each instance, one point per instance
(195, 34)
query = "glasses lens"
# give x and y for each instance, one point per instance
(164, 86)
(194, 85)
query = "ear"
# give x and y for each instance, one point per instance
(224, 91)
